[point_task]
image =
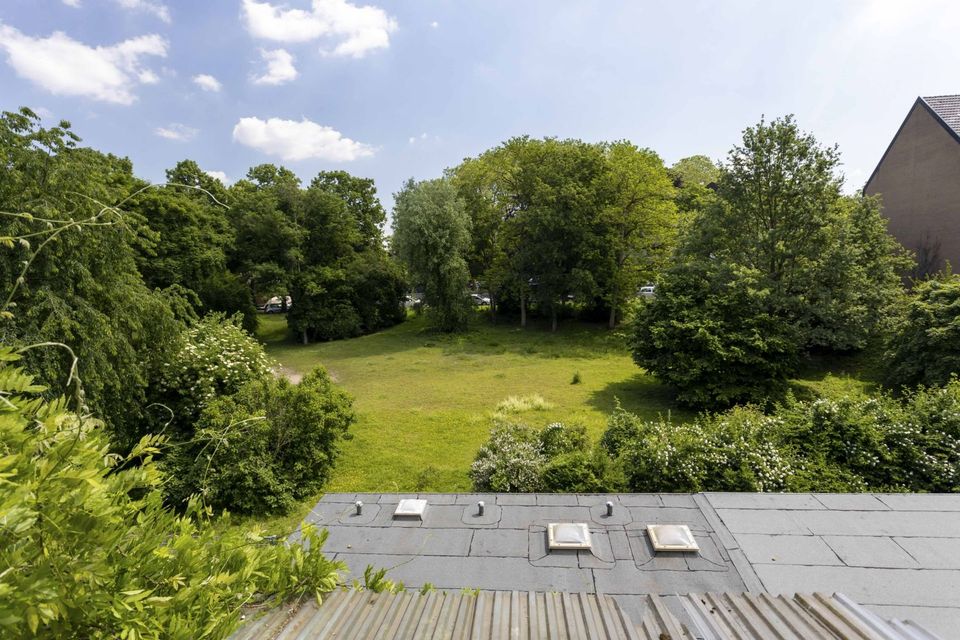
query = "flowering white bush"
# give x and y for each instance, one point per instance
(216, 357)
(510, 461)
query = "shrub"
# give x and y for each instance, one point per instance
(577, 378)
(924, 348)
(713, 333)
(729, 452)
(516, 456)
(510, 461)
(574, 472)
(843, 444)
(557, 438)
(264, 448)
(522, 404)
(88, 550)
(216, 357)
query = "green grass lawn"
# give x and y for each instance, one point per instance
(424, 401)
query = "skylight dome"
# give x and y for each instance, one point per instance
(672, 537)
(410, 508)
(568, 535)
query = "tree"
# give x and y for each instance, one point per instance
(711, 335)
(637, 223)
(185, 241)
(924, 348)
(431, 234)
(69, 270)
(348, 284)
(820, 269)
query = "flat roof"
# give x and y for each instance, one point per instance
(895, 553)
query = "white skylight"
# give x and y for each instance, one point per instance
(568, 535)
(672, 537)
(410, 508)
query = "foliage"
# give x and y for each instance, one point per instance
(510, 461)
(522, 404)
(431, 234)
(712, 334)
(559, 218)
(924, 348)
(89, 551)
(778, 264)
(842, 444)
(263, 448)
(71, 276)
(516, 457)
(361, 296)
(214, 357)
(638, 222)
(731, 452)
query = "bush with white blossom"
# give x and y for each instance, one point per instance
(216, 357)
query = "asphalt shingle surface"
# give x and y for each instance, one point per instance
(898, 554)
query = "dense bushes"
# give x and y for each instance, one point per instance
(516, 456)
(214, 357)
(842, 444)
(88, 550)
(924, 348)
(263, 448)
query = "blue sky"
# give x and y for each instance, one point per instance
(393, 90)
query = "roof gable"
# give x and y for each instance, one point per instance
(943, 109)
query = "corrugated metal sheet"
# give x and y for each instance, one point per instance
(513, 615)
(528, 615)
(749, 616)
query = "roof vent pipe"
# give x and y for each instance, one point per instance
(359, 505)
(609, 509)
(480, 508)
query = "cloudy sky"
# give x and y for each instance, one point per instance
(399, 89)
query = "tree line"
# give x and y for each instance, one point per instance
(537, 223)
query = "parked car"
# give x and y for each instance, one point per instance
(275, 305)
(409, 302)
(480, 300)
(648, 291)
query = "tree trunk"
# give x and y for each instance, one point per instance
(613, 317)
(493, 309)
(523, 311)
(553, 318)
(305, 341)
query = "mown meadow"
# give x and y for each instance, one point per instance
(424, 401)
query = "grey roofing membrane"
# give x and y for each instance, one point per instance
(898, 554)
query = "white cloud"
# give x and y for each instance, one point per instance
(354, 30)
(156, 8)
(422, 138)
(176, 131)
(219, 175)
(292, 140)
(207, 82)
(434, 24)
(72, 3)
(280, 67)
(64, 66)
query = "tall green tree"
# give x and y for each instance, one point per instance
(71, 277)
(431, 234)
(822, 272)
(637, 223)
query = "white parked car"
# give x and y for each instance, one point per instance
(648, 291)
(480, 300)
